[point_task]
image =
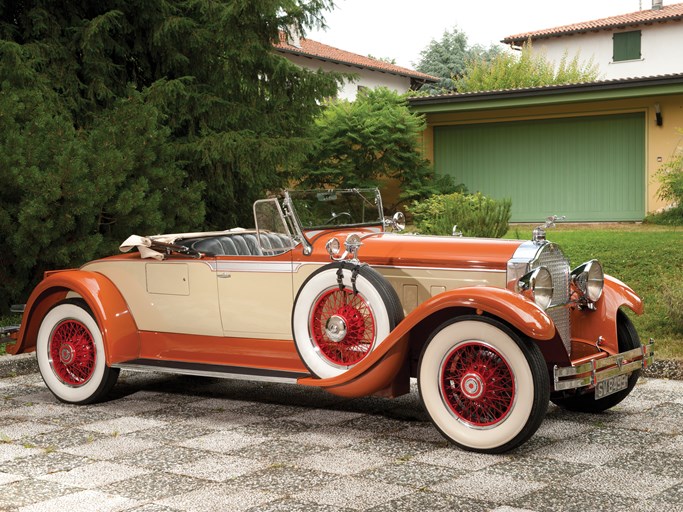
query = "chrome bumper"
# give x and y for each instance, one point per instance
(597, 370)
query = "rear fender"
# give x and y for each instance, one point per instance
(377, 371)
(119, 331)
(588, 325)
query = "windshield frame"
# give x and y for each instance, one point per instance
(370, 196)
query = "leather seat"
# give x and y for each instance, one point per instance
(241, 245)
(244, 244)
(252, 244)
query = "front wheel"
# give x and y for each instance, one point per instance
(485, 388)
(70, 353)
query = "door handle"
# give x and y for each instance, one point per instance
(223, 275)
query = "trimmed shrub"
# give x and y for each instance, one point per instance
(474, 214)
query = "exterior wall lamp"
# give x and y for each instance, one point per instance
(658, 115)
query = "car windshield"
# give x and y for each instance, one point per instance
(318, 209)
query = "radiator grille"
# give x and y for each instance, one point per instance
(551, 257)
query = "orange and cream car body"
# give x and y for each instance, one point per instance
(321, 294)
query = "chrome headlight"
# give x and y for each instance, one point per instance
(351, 246)
(589, 279)
(537, 285)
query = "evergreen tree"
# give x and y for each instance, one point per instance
(119, 117)
(447, 57)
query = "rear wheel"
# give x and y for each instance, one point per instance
(70, 353)
(485, 388)
(628, 339)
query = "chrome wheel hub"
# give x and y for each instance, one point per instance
(66, 353)
(472, 386)
(335, 328)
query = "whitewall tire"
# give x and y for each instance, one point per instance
(485, 388)
(334, 329)
(71, 356)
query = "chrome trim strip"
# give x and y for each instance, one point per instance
(205, 373)
(254, 266)
(458, 269)
(599, 370)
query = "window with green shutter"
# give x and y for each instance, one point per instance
(626, 46)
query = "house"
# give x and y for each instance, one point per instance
(589, 151)
(641, 43)
(369, 72)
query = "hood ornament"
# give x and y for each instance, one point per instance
(538, 236)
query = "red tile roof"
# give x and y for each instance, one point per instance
(316, 50)
(667, 13)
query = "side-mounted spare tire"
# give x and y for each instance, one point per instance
(336, 327)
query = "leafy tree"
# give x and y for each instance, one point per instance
(362, 143)
(525, 69)
(120, 117)
(388, 60)
(448, 57)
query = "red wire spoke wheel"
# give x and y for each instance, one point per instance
(484, 385)
(477, 384)
(71, 355)
(342, 326)
(72, 352)
(336, 327)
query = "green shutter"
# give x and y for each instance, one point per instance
(626, 45)
(587, 168)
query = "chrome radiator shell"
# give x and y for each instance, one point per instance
(531, 255)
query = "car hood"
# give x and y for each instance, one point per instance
(432, 251)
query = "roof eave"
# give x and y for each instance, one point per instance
(525, 37)
(571, 93)
(425, 78)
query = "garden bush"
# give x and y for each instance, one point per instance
(474, 214)
(670, 176)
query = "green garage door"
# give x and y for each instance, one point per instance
(587, 168)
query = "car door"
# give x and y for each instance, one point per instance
(255, 295)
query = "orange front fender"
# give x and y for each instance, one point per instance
(119, 331)
(378, 369)
(589, 325)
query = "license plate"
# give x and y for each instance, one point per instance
(610, 386)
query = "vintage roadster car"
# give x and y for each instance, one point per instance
(323, 292)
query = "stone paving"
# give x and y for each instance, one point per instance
(174, 443)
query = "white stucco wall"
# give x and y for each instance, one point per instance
(365, 77)
(660, 47)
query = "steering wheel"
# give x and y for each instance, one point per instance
(336, 216)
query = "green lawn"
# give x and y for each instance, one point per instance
(646, 257)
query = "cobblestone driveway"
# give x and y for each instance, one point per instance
(168, 443)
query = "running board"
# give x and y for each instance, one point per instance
(211, 370)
